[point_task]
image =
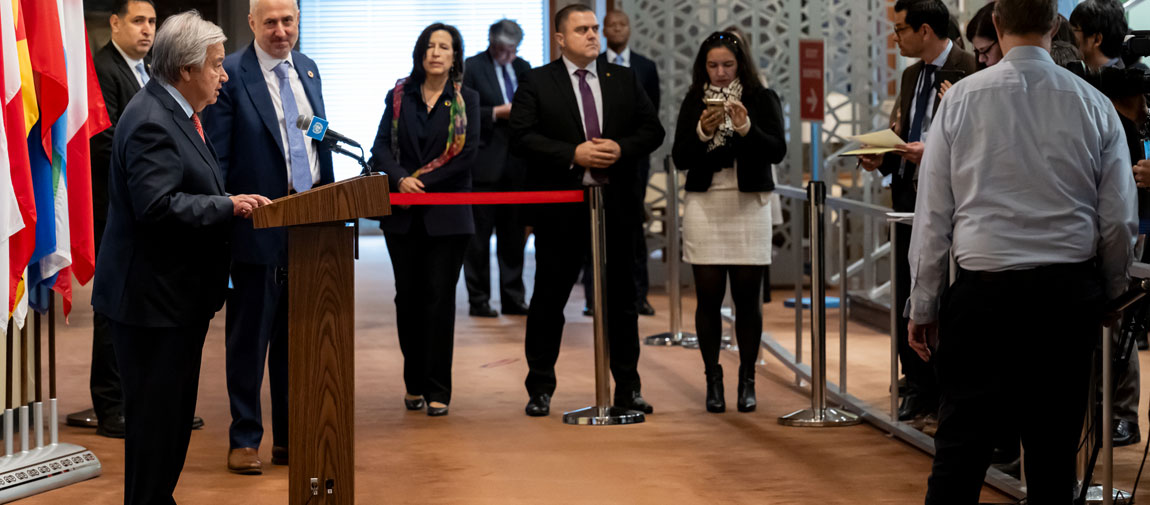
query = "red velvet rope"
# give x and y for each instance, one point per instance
(506, 197)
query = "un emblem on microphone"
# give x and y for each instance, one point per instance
(317, 129)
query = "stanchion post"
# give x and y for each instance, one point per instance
(893, 321)
(673, 258)
(38, 406)
(843, 284)
(819, 415)
(25, 446)
(1107, 417)
(53, 413)
(9, 391)
(797, 246)
(602, 413)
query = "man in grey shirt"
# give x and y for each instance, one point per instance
(1026, 177)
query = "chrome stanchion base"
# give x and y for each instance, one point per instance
(603, 416)
(830, 417)
(669, 339)
(1094, 495)
(725, 344)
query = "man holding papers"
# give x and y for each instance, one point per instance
(920, 30)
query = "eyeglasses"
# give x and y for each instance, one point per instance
(984, 53)
(899, 29)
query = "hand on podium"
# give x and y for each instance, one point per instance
(242, 205)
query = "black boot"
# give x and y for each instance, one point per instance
(746, 390)
(715, 401)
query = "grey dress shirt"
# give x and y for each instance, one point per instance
(1026, 165)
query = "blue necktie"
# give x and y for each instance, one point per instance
(619, 59)
(921, 103)
(300, 167)
(508, 86)
(143, 73)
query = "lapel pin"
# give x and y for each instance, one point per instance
(608, 74)
(447, 103)
(310, 74)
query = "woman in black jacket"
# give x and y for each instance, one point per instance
(729, 132)
(427, 142)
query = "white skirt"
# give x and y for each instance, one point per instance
(724, 226)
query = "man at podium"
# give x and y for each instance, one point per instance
(163, 268)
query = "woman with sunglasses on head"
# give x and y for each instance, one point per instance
(729, 133)
(427, 142)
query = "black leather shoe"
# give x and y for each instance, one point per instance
(539, 405)
(434, 411)
(715, 401)
(111, 428)
(416, 404)
(746, 402)
(644, 308)
(914, 405)
(515, 309)
(1126, 433)
(588, 311)
(279, 455)
(633, 401)
(482, 310)
(197, 422)
(83, 419)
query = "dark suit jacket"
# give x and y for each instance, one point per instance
(118, 85)
(415, 152)
(902, 188)
(164, 259)
(764, 144)
(647, 73)
(492, 165)
(546, 125)
(243, 127)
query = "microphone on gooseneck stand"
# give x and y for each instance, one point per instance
(316, 128)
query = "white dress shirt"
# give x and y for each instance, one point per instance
(1028, 166)
(180, 100)
(268, 64)
(626, 54)
(596, 92)
(131, 64)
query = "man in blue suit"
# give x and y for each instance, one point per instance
(261, 151)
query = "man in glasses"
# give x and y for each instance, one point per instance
(920, 30)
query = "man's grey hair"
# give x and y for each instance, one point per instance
(504, 31)
(182, 41)
(252, 4)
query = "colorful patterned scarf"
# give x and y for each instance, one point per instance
(456, 128)
(733, 92)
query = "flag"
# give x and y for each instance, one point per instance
(87, 116)
(10, 220)
(19, 106)
(47, 150)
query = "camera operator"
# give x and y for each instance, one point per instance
(1126, 88)
(1099, 27)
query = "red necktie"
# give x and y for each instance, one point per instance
(199, 127)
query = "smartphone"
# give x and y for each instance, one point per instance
(715, 103)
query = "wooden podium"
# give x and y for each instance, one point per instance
(321, 332)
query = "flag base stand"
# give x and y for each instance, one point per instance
(46, 468)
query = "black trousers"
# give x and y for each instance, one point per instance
(919, 375)
(160, 368)
(1011, 345)
(426, 272)
(511, 238)
(257, 333)
(104, 378)
(561, 241)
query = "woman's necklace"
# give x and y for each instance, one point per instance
(429, 103)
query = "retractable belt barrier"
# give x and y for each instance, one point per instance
(495, 198)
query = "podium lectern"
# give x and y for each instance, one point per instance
(321, 336)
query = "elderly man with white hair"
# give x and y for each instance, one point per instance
(163, 269)
(253, 128)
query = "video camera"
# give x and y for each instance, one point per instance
(1120, 82)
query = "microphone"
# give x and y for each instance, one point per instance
(316, 128)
